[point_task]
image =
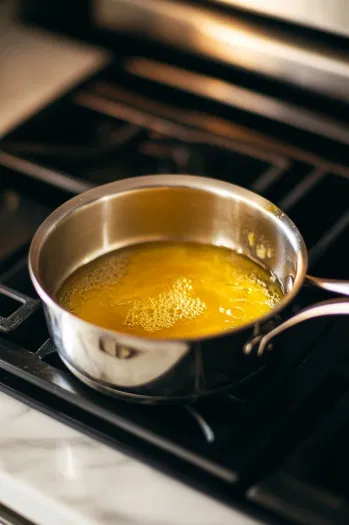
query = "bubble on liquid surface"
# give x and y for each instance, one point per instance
(166, 309)
(104, 271)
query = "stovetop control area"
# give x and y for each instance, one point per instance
(276, 446)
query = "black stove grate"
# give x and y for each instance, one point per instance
(241, 442)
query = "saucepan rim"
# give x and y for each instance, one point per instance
(203, 184)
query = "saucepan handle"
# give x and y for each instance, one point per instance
(331, 285)
(332, 307)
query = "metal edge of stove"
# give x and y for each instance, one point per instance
(201, 30)
(312, 14)
(10, 517)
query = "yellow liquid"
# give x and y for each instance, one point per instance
(170, 290)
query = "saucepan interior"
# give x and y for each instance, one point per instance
(167, 208)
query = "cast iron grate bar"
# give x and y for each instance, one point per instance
(15, 308)
(127, 142)
(331, 240)
(208, 155)
(233, 95)
(43, 174)
(319, 201)
(301, 189)
(330, 248)
(232, 160)
(197, 116)
(118, 110)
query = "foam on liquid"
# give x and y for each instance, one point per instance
(170, 290)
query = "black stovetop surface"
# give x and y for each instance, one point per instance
(276, 445)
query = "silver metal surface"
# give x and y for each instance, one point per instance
(199, 29)
(161, 207)
(332, 307)
(242, 98)
(331, 285)
(53, 177)
(327, 16)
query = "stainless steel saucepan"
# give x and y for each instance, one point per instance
(169, 207)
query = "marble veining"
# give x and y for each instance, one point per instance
(53, 474)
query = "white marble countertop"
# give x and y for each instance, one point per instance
(53, 475)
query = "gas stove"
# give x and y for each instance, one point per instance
(274, 446)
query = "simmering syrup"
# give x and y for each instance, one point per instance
(170, 290)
